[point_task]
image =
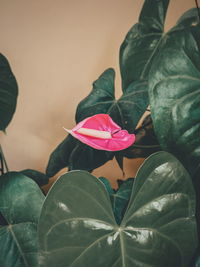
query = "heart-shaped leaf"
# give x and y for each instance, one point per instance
(77, 225)
(142, 42)
(126, 111)
(20, 204)
(8, 93)
(175, 91)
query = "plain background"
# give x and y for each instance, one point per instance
(56, 50)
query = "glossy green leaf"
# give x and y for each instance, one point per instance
(120, 199)
(84, 157)
(39, 177)
(175, 92)
(107, 185)
(20, 204)
(146, 142)
(197, 262)
(142, 42)
(77, 225)
(8, 93)
(126, 111)
(73, 154)
(59, 158)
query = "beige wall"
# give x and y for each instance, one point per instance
(57, 49)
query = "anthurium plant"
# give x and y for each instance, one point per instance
(150, 220)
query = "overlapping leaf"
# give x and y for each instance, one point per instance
(8, 93)
(158, 228)
(142, 42)
(126, 111)
(73, 154)
(175, 91)
(119, 198)
(39, 177)
(20, 204)
(136, 55)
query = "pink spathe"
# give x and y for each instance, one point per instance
(118, 139)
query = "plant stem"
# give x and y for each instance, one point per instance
(1, 165)
(3, 161)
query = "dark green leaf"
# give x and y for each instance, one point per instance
(59, 158)
(121, 198)
(107, 185)
(39, 177)
(87, 158)
(8, 93)
(142, 42)
(198, 262)
(126, 111)
(20, 204)
(175, 92)
(146, 142)
(75, 155)
(119, 156)
(158, 228)
(100, 98)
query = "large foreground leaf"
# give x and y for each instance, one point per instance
(77, 226)
(20, 204)
(8, 93)
(175, 92)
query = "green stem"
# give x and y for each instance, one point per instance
(1, 165)
(4, 163)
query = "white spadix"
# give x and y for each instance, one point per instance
(92, 133)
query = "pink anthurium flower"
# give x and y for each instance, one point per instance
(101, 132)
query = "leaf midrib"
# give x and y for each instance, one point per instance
(18, 245)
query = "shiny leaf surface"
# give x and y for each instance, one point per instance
(20, 204)
(197, 262)
(8, 93)
(175, 91)
(120, 199)
(142, 42)
(126, 111)
(158, 228)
